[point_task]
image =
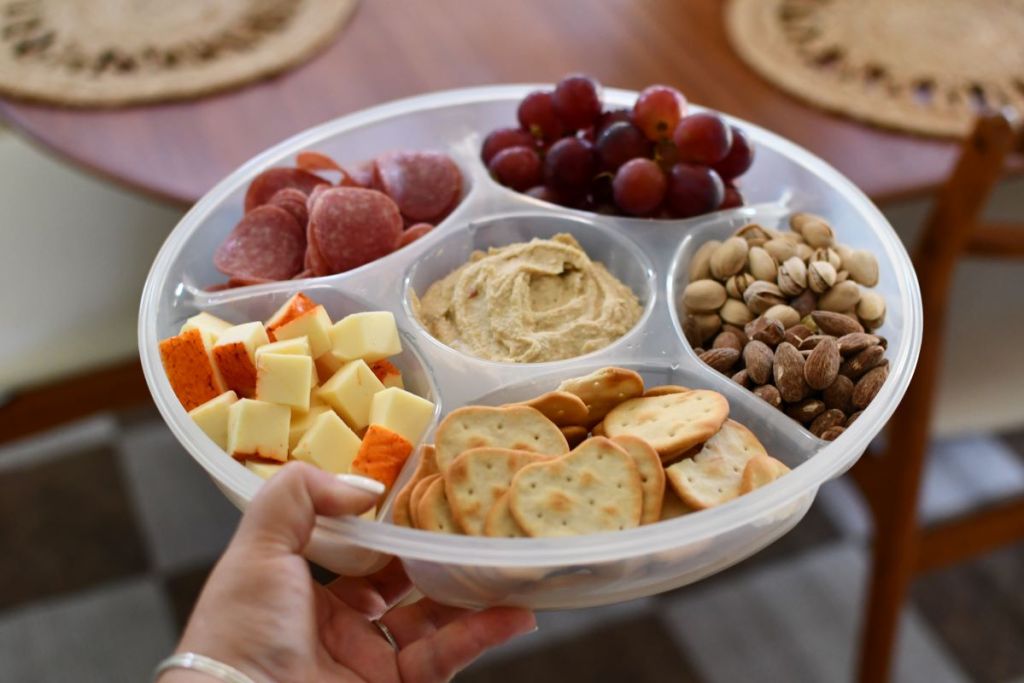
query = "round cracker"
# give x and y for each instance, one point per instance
(433, 512)
(671, 423)
(477, 478)
(652, 475)
(561, 407)
(518, 427)
(714, 475)
(500, 522)
(427, 465)
(604, 389)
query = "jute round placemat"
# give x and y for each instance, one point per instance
(923, 66)
(107, 53)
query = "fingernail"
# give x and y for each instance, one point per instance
(362, 483)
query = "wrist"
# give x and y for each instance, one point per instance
(191, 667)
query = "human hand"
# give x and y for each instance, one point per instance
(262, 613)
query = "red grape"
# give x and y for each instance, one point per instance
(516, 167)
(732, 199)
(609, 117)
(657, 111)
(544, 193)
(639, 187)
(537, 114)
(569, 165)
(619, 143)
(739, 158)
(694, 190)
(503, 138)
(702, 138)
(577, 101)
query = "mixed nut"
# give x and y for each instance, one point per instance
(788, 315)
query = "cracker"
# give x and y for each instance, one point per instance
(574, 435)
(714, 475)
(759, 471)
(500, 522)
(477, 478)
(560, 407)
(665, 390)
(433, 512)
(672, 423)
(520, 428)
(426, 466)
(673, 506)
(417, 494)
(652, 475)
(604, 389)
(598, 429)
(594, 488)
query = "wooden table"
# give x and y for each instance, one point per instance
(395, 48)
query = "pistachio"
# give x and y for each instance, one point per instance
(793, 238)
(798, 220)
(762, 264)
(780, 249)
(863, 267)
(843, 296)
(784, 314)
(700, 327)
(843, 252)
(704, 296)
(735, 312)
(821, 275)
(842, 275)
(737, 284)
(754, 234)
(804, 251)
(818, 233)
(792, 276)
(828, 255)
(700, 264)
(729, 258)
(871, 309)
(760, 296)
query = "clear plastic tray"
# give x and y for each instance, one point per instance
(650, 256)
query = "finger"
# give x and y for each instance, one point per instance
(420, 620)
(284, 512)
(373, 595)
(453, 647)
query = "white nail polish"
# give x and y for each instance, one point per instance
(362, 483)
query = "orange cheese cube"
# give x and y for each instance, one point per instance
(263, 469)
(381, 455)
(290, 310)
(387, 373)
(235, 356)
(313, 324)
(208, 324)
(190, 369)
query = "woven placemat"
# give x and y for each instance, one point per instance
(922, 66)
(106, 53)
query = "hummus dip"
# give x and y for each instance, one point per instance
(542, 300)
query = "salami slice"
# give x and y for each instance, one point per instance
(313, 261)
(294, 202)
(266, 184)
(413, 233)
(315, 161)
(315, 195)
(352, 226)
(364, 174)
(425, 185)
(267, 244)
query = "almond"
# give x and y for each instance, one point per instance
(727, 340)
(805, 411)
(853, 418)
(740, 334)
(805, 303)
(855, 342)
(832, 433)
(769, 394)
(788, 371)
(839, 394)
(822, 366)
(868, 385)
(701, 327)
(812, 341)
(721, 359)
(742, 378)
(797, 333)
(828, 419)
(865, 360)
(835, 324)
(766, 330)
(759, 359)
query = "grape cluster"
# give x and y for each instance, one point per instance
(653, 160)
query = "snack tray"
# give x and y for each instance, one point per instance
(651, 256)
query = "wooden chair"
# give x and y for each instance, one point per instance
(891, 480)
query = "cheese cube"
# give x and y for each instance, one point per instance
(350, 390)
(371, 335)
(327, 365)
(284, 379)
(301, 422)
(290, 310)
(387, 373)
(235, 355)
(191, 369)
(212, 417)
(208, 324)
(264, 470)
(403, 413)
(313, 324)
(296, 346)
(329, 444)
(257, 429)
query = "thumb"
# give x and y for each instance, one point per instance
(284, 512)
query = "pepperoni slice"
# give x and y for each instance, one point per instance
(266, 184)
(351, 226)
(364, 174)
(267, 244)
(315, 195)
(413, 233)
(423, 184)
(315, 161)
(294, 202)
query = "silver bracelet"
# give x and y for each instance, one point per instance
(194, 662)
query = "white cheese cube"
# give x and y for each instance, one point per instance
(209, 325)
(402, 412)
(264, 470)
(329, 444)
(251, 335)
(350, 390)
(314, 324)
(212, 417)
(371, 335)
(257, 429)
(284, 379)
(297, 346)
(301, 422)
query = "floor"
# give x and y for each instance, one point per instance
(114, 529)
